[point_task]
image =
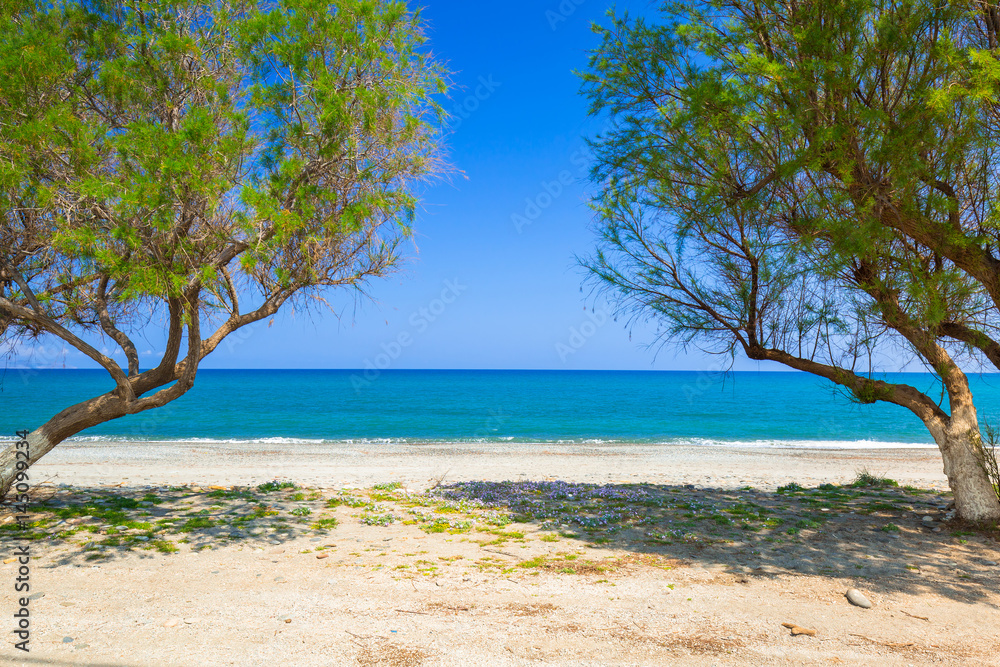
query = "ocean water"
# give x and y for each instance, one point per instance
(419, 406)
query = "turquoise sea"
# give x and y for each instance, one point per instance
(416, 406)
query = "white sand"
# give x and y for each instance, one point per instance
(329, 465)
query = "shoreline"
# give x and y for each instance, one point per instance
(356, 562)
(331, 465)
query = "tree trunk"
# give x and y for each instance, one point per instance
(39, 444)
(69, 422)
(975, 498)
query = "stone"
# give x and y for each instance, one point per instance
(67, 640)
(927, 518)
(322, 556)
(857, 598)
(171, 622)
(121, 527)
(35, 596)
(67, 604)
(192, 621)
(989, 563)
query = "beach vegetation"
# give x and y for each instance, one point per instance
(387, 486)
(813, 185)
(271, 487)
(196, 524)
(199, 166)
(870, 480)
(378, 519)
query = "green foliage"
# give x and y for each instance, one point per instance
(202, 163)
(868, 480)
(269, 487)
(197, 523)
(813, 184)
(388, 486)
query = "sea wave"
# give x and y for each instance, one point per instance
(770, 443)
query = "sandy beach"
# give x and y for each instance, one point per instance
(331, 465)
(373, 554)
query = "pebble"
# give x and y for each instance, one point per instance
(857, 598)
(192, 621)
(990, 563)
(121, 527)
(287, 619)
(142, 538)
(35, 596)
(171, 622)
(280, 580)
(67, 640)
(936, 529)
(928, 518)
(67, 604)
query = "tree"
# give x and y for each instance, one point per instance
(198, 164)
(814, 184)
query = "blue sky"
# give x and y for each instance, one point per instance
(492, 281)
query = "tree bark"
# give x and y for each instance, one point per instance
(69, 422)
(38, 445)
(975, 498)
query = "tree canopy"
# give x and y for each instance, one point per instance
(199, 164)
(811, 183)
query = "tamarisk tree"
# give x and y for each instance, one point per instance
(198, 165)
(813, 184)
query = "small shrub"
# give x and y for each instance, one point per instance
(268, 487)
(869, 480)
(388, 486)
(300, 511)
(790, 488)
(378, 519)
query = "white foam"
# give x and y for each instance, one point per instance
(766, 443)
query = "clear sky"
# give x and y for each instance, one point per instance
(492, 281)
